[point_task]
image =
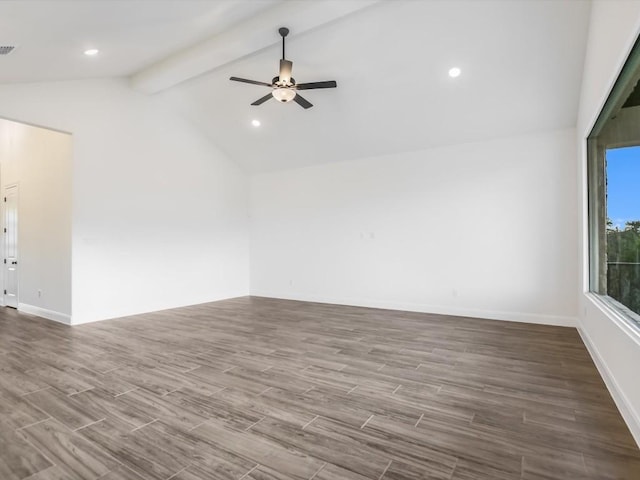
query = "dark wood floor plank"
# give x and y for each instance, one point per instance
(286, 459)
(18, 459)
(211, 407)
(63, 381)
(107, 382)
(398, 470)
(208, 457)
(136, 451)
(18, 382)
(70, 451)
(121, 473)
(101, 404)
(552, 465)
(318, 402)
(333, 472)
(327, 445)
(63, 408)
(55, 473)
(159, 407)
(403, 444)
(16, 412)
(155, 380)
(609, 467)
(264, 406)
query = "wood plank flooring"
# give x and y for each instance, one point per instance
(262, 389)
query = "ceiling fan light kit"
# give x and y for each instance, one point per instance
(283, 94)
(284, 87)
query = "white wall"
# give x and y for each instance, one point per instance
(484, 229)
(39, 162)
(613, 343)
(159, 214)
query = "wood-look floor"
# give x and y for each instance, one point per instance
(262, 389)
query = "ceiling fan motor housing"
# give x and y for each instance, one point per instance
(276, 81)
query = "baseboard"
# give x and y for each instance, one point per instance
(626, 408)
(44, 313)
(556, 320)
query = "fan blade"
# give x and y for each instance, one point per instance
(260, 101)
(312, 85)
(253, 82)
(285, 70)
(303, 102)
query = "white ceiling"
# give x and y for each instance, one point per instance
(51, 35)
(521, 67)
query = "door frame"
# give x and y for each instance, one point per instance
(15, 185)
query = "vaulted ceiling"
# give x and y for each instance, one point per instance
(51, 35)
(521, 65)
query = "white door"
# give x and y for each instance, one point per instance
(11, 246)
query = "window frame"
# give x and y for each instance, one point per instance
(596, 187)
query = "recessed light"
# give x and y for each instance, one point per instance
(91, 52)
(454, 72)
(255, 123)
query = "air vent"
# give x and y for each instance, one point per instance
(6, 50)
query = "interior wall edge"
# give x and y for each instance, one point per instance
(625, 406)
(76, 320)
(45, 313)
(520, 317)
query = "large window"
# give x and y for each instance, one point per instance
(614, 194)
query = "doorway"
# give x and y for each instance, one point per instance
(10, 216)
(35, 193)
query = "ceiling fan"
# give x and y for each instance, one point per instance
(283, 87)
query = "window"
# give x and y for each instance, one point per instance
(613, 150)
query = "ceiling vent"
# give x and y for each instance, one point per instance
(6, 50)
